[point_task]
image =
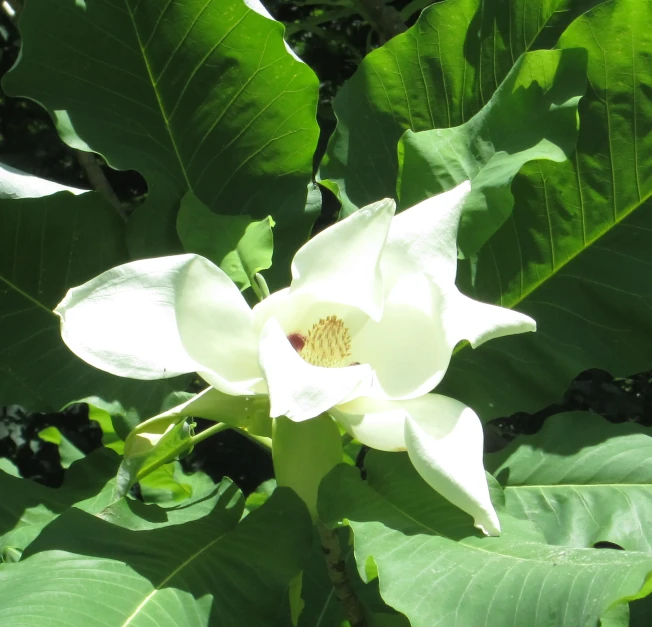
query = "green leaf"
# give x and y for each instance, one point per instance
(165, 437)
(239, 245)
(150, 445)
(135, 515)
(198, 96)
(581, 480)
(26, 506)
(68, 452)
(574, 253)
(433, 567)
(169, 485)
(48, 245)
(532, 115)
(438, 74)
(115, 421)
(211, 571)
(260, 495)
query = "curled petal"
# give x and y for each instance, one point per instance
(298, 389)
(443, 438)
(466, 319)
(216, 328)
(124, 320)
(423, 238)
(342, 263)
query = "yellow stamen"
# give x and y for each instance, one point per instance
(327, 344)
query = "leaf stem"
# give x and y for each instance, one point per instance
(261, 440)
(336, 567)
(174, 453)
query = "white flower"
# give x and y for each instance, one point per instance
(364, 332)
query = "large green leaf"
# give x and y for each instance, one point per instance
(433, 567)
(581, 480)
(438, 74)
(532, 115)
(212, 571)
(26, 506)
(199, 96)
(575, 252)
(48, 245)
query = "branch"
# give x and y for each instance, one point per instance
(339, 578)
(98, 181)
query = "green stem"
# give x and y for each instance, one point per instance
(261, 440)
(174, 453)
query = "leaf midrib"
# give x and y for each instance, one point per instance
(158, 96)
(169, 577)
(16, 289)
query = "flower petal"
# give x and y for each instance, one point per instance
(342, 263)
(378, 424)
(298, 389)
(216, 328)
(444, 440)
(124, 320)
(466, 319)
(424, 238)
(407, 348)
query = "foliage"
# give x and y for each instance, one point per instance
(546, 109)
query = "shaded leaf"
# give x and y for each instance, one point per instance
(26, 506)
(239, 245)
(438, 74)
(199, 97)
(574, 253)
(48, 245)
(207, 572)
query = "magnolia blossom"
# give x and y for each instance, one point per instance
(364, 332)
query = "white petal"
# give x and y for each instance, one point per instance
(342, 263)
(408, 348)
(376, 423)
(298, 389)
(466, 319)
(424, 238)
(444, 440)
(216, 328)
(124, 321)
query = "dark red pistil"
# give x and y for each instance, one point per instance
(297, 341)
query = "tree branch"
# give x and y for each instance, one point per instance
(337, 573)
(98, 181)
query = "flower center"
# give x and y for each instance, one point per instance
(327, 344)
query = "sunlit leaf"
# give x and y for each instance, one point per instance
(433, 566)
